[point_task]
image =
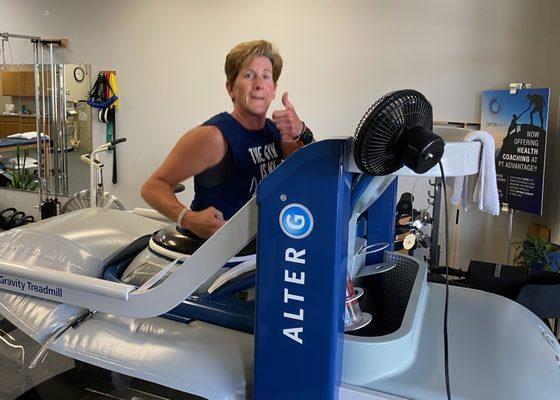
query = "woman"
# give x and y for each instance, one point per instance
(229, 154)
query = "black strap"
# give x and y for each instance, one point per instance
(114, 149)
(97, 92)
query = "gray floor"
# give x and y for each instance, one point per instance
(16, 352)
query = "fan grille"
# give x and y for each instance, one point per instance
(82, 200)
(381, 126)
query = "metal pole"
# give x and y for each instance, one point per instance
(510, 230)
(47, 171)
(7, 35)
(63, 139)
(54, 121)
(40, 161)
(92, 180)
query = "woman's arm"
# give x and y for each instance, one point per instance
(197, 150)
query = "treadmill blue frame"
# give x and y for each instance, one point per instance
(304, 210)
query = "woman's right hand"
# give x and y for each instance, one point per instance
(204, 223)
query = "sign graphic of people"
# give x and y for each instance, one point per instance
(518, 122)
(538, 103)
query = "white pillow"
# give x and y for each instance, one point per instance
(25, 135)
(29, 135)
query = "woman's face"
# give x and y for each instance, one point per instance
(254, 88)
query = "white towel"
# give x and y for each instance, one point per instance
(483, 192)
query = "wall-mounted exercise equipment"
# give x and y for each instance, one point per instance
(50, 114)
(104, 96)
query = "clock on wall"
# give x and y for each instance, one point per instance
(79, 74)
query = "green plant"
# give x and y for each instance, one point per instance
(21, 178)
(534, 252)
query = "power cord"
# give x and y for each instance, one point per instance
(445, 336)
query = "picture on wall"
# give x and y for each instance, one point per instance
(519, 124)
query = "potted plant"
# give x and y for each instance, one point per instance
(21, 177)
(537, 254)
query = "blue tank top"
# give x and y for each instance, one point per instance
(254, 154)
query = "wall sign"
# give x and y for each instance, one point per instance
(519, 124)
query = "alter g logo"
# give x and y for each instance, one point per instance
(296, 221)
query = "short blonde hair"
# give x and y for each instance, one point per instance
(247, 50)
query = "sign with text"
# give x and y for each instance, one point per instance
(519, 123)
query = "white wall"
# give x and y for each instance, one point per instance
(551, 70)
(339, 58)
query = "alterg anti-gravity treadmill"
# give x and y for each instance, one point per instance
(305, 215)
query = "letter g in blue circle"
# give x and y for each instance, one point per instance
(296, 221)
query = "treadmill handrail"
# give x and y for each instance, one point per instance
(123, 299)
(37, 275)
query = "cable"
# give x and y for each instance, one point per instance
(446, 309)
(3, 55)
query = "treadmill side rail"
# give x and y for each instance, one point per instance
(57, 285)
(122, 299)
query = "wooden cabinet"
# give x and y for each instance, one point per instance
(20, 83)
(10, 84)
(15, 127)
(17, 83)
(15, 124)
(29, 85)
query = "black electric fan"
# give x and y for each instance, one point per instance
(397, 131)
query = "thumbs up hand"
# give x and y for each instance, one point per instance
(287, 120)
